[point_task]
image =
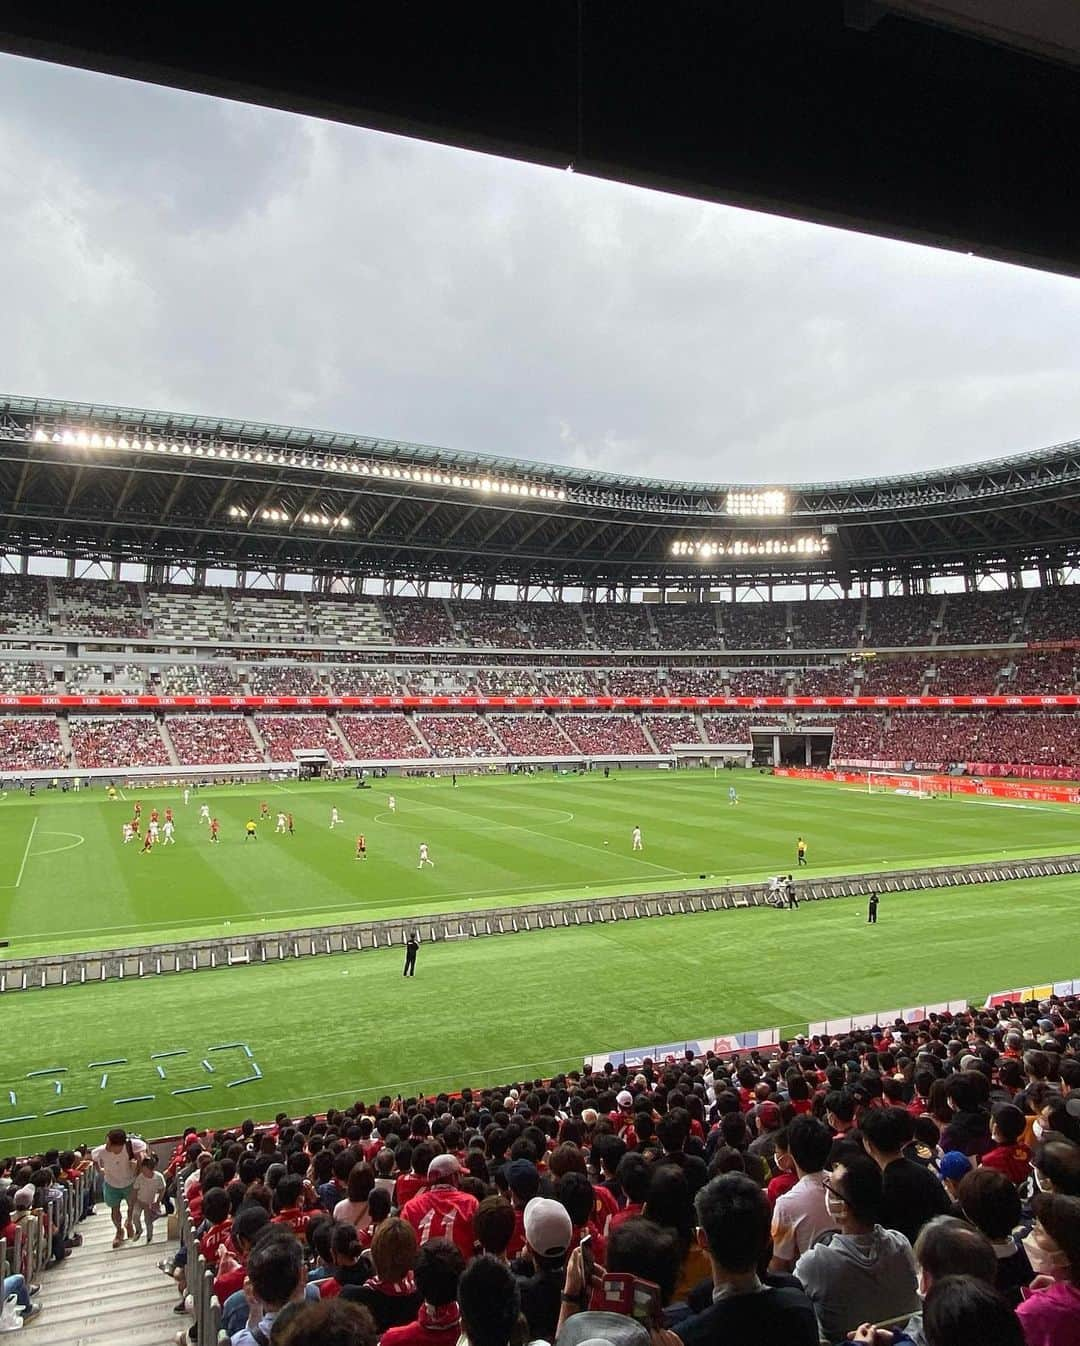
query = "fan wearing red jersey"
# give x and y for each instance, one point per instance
(442, 1211)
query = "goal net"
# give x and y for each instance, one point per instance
(898, 783)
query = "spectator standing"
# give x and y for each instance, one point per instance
(148, 1192)
(911, 1194)
(541, 1270)
(118, 1161)
(443, 1210)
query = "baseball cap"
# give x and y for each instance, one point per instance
(589, 1116)
(769, 1113)
(443, 1166)
(548, 1230)
(954, 1165)
(521, 1177)
(624, 1098)
(603, 1329)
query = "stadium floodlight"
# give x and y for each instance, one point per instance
(759, 503)
(704, 549)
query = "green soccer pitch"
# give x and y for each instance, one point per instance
(331, 1030)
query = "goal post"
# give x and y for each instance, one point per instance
(899, 783)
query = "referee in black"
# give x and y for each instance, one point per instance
(871, 910)
(412, 946)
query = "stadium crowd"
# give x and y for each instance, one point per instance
(912, 1184)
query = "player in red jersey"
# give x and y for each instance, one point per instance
(264, 810)
(138, 808)
(289, 816)
(361, 847)
(442, 1211)
(148, 842)
(215, 827)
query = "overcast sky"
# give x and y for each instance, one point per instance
(167, 250)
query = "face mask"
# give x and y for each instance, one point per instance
(1043, 1263)
(834, 1206)
(1037, 1130)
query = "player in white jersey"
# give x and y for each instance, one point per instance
(129, 833)
(167, 838)
(153, 831)
(732, 795)
(281, 826)
(335, 817)
(187, 795)
(637, 846)
(425, 859)
(204, 813)
(391, 803)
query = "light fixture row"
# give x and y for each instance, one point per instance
(706, 548)
(84, 439)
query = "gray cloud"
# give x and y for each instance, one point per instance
(162, 249)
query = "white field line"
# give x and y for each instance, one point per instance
(26, 853)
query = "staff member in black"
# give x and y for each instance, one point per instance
(412, 945)
(871, 911)
(789, 889)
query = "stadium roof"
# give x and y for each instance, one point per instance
(954, 122)
(165, 487)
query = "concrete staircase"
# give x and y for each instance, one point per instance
(102, 1297)
(169, 747)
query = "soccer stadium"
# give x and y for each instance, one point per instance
(465, 899)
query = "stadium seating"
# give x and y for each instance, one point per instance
(668, 730)
(891, 677)
(117, 741)
(31, 743)
(381, 736)
(24, 603)
(281, 680)
(218, 740)
(900, 621)
(530, 735)
(494, 624)
(1044, 671)
(828, 623)
(200, 679)
(696, 681)
(420, 621)
(686, 626)
(457, 735)
(755, 626)
(180, 613)
(960, 675)
(605, 735)
(26, 678)
(287, 735)
(982, 618)
(759, 682)
(735, 729)
(621, 626)
(822, 681)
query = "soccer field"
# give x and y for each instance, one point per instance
(330, 1030)
(67, 882)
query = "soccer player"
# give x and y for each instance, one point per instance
(280, 822)
(152, 830)
(167, 838)
(129, 833)
(732, 796)
(264, 811)
(412, 944)
(250, 830)
(335, 818)
(289, 816)
(637, 846)
(148, 842)
(111, 791)
(391, 803)
(155, 816)
(425, 859)
(215, 827)
(138, 808)
(361, 847)
(187, 795)
(204, 813)
(168, 815)
(800, 851)
(871, 910)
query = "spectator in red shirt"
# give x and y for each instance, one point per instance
(443, 1211)
(250, 1221)
(409, 1184)
(633, 1176)
(439, 1265)
(287, 1208)
(1008, 1154)
(216, 1209)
